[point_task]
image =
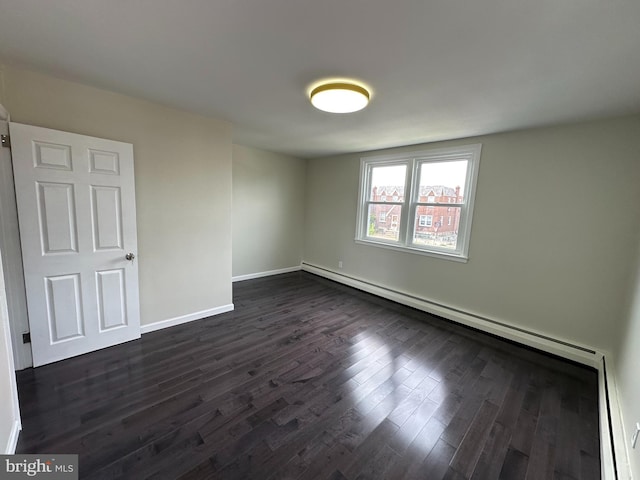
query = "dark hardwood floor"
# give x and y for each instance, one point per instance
(309, 379)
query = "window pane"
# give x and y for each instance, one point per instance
(384, 221)
(442, 182)
(387, 183)
(436, 226)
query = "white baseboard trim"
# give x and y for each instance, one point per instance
(614, 460)
(171, 322)
(251, 276)
(12, 442)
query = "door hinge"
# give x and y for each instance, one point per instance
(6, 140)
(26, 337)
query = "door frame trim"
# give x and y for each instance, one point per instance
(12, 260)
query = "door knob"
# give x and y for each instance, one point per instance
(130, 256)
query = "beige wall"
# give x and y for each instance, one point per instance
(183, 184)
(555, 219)
(268, 210)
(9, 414)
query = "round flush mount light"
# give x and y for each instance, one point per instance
(339, 97)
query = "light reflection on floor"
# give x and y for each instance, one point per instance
(405, 392)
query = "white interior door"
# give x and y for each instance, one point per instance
(77, 218)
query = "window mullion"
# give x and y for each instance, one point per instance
(412, 180)
(364, 221)
(463, 226)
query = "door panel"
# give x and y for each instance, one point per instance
(112, 310)
(76, 210)
(106, 218)
(57, 218)
(47, 155)
(104, 162)
(64, 307)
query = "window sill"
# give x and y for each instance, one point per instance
(418, 251)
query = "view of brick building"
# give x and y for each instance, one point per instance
(435, 225)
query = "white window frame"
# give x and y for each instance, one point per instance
(411, 200)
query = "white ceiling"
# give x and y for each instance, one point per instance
(439, 69)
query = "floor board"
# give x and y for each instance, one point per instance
(309, 379)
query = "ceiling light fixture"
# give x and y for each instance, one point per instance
(339, 97)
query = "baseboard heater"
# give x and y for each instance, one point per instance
(353, 281)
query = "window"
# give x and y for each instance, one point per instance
(426, 185)
(425, 220)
